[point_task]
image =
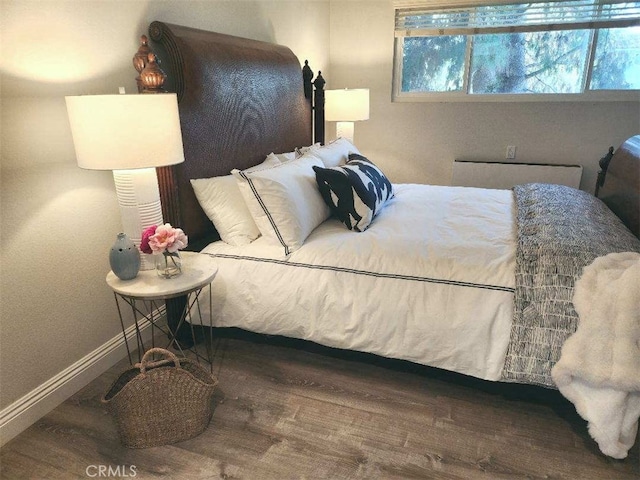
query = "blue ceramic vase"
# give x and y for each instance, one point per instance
(124, 258)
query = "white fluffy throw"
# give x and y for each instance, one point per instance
(599, 369)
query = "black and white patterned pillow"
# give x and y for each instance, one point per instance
(355, 192)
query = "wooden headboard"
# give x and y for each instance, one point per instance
(239, 100)
(618, 184)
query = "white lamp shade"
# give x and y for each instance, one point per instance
(117, 132)
(347, 105)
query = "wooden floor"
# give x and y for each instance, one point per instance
(311, 413)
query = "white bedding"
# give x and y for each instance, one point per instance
(434, 275)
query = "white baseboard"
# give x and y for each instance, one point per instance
(27, 410)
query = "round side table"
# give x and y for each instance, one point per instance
(147, 296)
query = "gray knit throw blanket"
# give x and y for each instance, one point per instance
(560, 231)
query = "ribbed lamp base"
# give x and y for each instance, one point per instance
(139, 200)
(345, 130)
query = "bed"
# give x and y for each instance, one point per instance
(470, 280)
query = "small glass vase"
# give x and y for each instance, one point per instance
(168, 265)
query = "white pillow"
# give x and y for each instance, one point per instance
(282, 157)
(223, 203)
(302, 150)
(285, 201)
(335, 153)
(288, 156)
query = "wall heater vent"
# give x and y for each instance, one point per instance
(470, 173)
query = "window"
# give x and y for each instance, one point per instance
(576, 49)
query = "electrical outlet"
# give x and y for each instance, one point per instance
(511, 152)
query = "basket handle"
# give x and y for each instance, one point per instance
(145, 363)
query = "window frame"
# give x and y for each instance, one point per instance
(463, 96)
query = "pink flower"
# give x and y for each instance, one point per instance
(165, 238)
(144, 244)
(180, 241)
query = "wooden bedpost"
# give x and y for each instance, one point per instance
(314, 94)
(318, 101)
(150, 80)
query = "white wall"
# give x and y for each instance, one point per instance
(58, 221)
(418, 142)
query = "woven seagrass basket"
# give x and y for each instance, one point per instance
(160, 402)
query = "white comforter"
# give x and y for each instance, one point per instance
(430, 281)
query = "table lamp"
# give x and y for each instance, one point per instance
(345, 107)
(130, 135)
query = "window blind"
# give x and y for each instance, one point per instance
(468, 17)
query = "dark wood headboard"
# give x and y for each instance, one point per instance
(239, 100)
(618, 184)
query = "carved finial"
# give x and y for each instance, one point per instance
(152, 77)
(602, 173)
(306, 70)
(604, 161)
(307, 76)
(140, 58)
(319, 81)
